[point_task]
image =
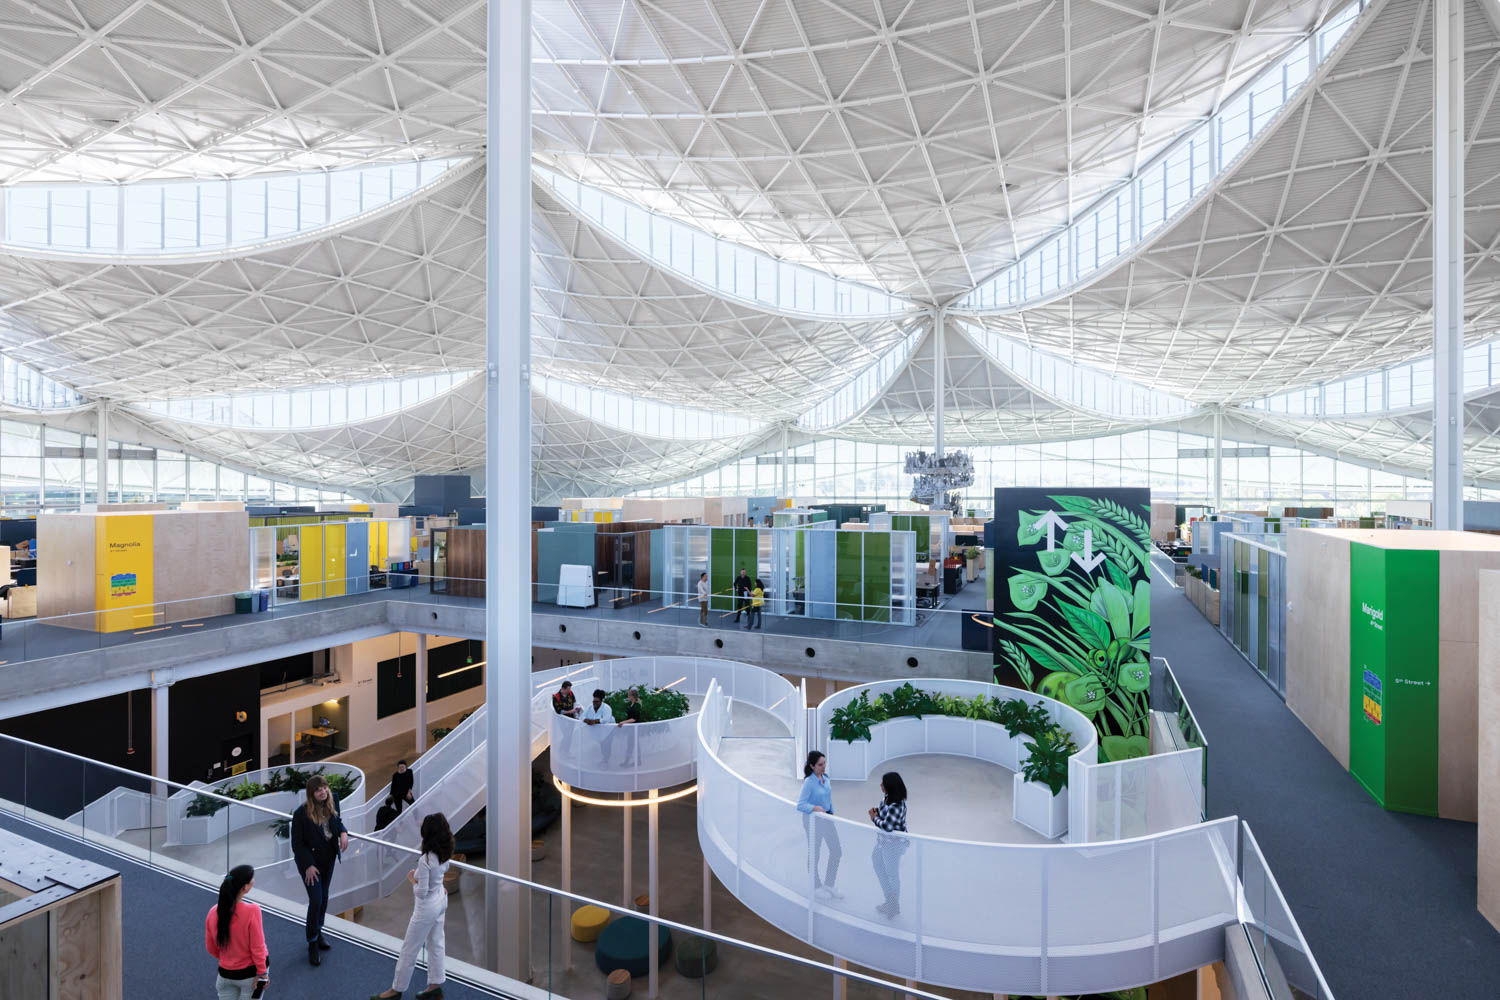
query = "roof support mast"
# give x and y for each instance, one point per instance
(507, 497)
(939, 377)
(1448, 265)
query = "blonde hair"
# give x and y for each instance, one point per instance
(319, 812)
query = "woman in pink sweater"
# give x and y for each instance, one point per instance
(233, 934)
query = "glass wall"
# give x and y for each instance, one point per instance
(47, 466)
(1163, 460)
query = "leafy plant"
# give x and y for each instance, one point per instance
(203, 805)
(852, 720)
(657, 704)
(1022, 718)
(341, 784)
(439, 732)
(908, 700)
(281, 829)
(1048, 763)
(245, 790)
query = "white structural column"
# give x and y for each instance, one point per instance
(653, 887)
(507, 504)
(160, 721)
(421, 682)
(628, 869)
(567, 867)
(708, 896)
(1217, 491)
(939, 377)
(786, 458)
(101, 451)
(1448, 265)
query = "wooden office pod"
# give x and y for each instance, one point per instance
(1487, 758)
(466, 562)
(199, 559)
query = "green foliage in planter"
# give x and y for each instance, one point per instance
(439, 732)
(203, 805)
(281, 829)
(341, 784)
(1023, 718)
(852, 720)
(908, 701)
(1048, 762)
(657, 704)
(245, 790)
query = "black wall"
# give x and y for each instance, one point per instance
(395, 694)
(275, 673)
(203, 728)
(95, 729)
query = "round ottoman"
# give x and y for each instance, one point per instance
(588, 921)
(696, 957)
(617, 985)
(625, 944)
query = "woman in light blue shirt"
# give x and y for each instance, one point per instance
(817, 797)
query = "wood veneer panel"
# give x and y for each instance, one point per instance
(1317, 635)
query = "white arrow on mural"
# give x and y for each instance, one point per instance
(1088, 558)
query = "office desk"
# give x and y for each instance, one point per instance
(320, 733)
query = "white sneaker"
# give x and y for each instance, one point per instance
(821, 892)
(834, 892)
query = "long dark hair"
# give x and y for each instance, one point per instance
(437, 837)
(229, 894)
(895, 788)
(813, 756)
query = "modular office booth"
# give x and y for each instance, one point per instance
(933, 531)
(1252, 601)
(305, 562)
(814, 571)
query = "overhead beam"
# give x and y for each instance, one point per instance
(1448, 265)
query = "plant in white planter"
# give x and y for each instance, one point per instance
(1024, 721)
(1037, 799)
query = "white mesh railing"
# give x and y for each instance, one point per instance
(642, 756)
(1134, 798)
(430, 768)
(989, 917)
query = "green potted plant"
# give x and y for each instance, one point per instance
(1037, 800)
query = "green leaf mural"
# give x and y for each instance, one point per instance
(1075, 627)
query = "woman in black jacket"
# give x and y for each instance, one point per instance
(318, 838)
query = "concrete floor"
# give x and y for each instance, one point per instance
(378, 760)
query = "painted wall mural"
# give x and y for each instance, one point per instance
(1073, 616)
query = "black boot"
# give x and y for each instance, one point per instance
(312, 954)
(323, 944)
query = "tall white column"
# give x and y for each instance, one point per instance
(508, 483)
(939, 377)
(421, 683)
(160, 722)
(653, 887)
(628, 868)
(567, 870)
(101, 451)
(708, 896)
(1448, 265)
(786, 458)
(1218, 483)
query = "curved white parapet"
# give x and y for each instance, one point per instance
(184, 829)
(643, 756)
(991, 917)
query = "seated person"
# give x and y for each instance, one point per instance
(597, 714)
(387, 813)
(563, 701)
(632, 714)
(401, 786)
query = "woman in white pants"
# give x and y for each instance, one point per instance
(429, 909)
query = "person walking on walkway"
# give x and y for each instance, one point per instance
(817, 797)
(429, 908)
(318, 838)
(703, 599)
(889, 814)
(402, 783)
(233, 934)
(757, 605)
(741, 594)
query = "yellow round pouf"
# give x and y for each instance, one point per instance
(588, 921)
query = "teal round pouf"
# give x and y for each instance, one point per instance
(624, 944)
(696, 957)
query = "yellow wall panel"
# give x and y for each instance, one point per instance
(335, 560)
(310, 541)
(123, 562)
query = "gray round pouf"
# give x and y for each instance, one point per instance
(696, 957)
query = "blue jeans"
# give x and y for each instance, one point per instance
(317, 903)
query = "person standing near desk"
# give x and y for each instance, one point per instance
(402, 784)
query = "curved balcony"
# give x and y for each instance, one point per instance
(647, 755)
(981, 913)
(184, 828)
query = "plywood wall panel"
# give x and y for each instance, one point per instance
(1317, 636)
(65, 568)
(1488, 762)
(1458, 729)
(202, 559)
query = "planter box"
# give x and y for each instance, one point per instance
(1033, 805)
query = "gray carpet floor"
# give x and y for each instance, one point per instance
(1386, 900)
(163, 940)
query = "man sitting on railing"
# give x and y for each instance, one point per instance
(564, 702)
